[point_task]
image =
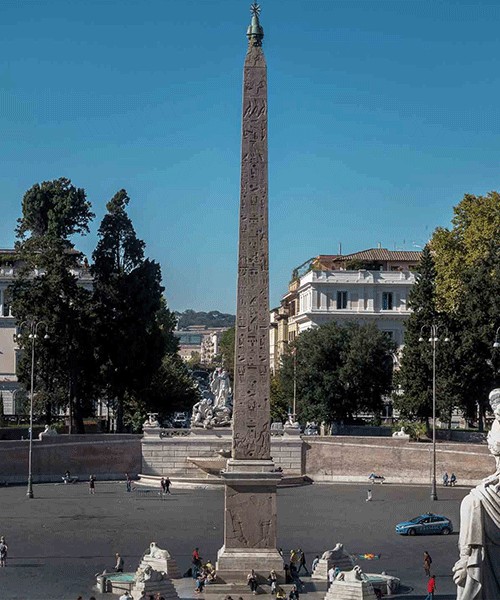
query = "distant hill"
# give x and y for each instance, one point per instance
(214, 318)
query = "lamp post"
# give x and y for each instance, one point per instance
(433, 339)
(496, 343)
(32, 327)
(294, 408)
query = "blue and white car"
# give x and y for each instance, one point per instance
(426, 524)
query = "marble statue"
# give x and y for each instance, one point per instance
(209, 414)
(336, 554)
(151, 421)
(47, 432)
(224, 389)
(477, 572)
(402, 433)
(147, 573)
(155, 552)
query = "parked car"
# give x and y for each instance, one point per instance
(425, 524)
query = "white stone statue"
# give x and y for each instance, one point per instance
(224, 389)
(47, 432)
(147, 573)
(215, 382)
(207, 415)
(156, 552)
(477, 572)
(402, 433)
(337, 554)
(151, 421)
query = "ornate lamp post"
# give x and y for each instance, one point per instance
(32, 327)
(434, 331)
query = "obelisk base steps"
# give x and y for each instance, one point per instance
(250, 522)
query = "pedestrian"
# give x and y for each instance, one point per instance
(196, 557)
(315, 563)
(252, 581)
(92, 484)
(125, 596)
(369, 496)
(294, 593)
(3, 552)
(167, 486)
(331, 575)
(302, 562)
(427, 563)
(445, 479)
(280, 593)
(162, 483)
(129, 482)
(453, 480)
(431, 588)
(273, 580)
(119, 563)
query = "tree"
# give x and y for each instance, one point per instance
(226, 345)
(414, 378)
(476, 222)
(46, 290)
(467, 286)
(478, 313)
(54, 209)
(130, 342)
(340, 371)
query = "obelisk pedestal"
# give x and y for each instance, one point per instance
(250, 475)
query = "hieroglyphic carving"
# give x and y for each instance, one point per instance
(251, 435)
(242, 532)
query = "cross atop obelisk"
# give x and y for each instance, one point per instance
(250, 475)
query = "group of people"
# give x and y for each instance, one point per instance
(431, 582)
(449, 480)
(276, 589)
(202, 573)
(127, 596)
(165, 485)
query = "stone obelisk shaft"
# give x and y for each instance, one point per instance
(251, 435)
(250, 475)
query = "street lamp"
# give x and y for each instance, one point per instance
(32, 327)
(496, 343)
(433, 339)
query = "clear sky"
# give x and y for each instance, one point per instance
(382, 115)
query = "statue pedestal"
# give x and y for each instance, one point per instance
(249, 522)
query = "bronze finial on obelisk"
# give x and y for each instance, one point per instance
(250, 476)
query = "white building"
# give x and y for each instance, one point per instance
(378, 297)
(371, 286)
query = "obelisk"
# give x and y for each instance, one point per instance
(250, 476)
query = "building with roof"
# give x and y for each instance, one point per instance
(370, 286)
(9, 386)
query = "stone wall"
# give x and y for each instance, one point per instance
(195, 454)
(323, 459)
(106, 456)
(340, 458)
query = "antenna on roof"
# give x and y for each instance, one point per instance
(340, 248)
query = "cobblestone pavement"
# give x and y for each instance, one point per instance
(61, 538)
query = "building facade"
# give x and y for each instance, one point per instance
(199, 340)
(9, 386)
(371, 286)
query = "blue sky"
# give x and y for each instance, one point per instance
(382, 115)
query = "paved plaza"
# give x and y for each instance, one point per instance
(61, 538)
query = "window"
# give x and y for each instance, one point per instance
(341, 300)
(387, 301)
